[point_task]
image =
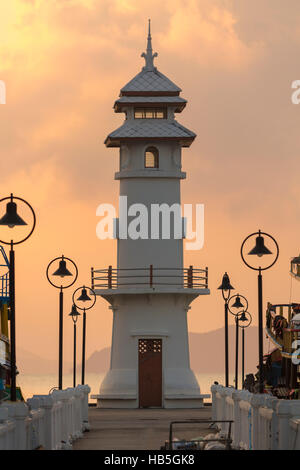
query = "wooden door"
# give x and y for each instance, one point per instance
(150, 373)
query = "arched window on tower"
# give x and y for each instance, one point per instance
(151, 157)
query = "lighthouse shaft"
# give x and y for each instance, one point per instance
(150, 291)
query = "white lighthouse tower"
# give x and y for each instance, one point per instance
(150, 291)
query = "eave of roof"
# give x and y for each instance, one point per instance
(142, 129)
(178, 102)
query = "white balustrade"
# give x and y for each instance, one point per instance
(50, 422)
(245, 425)
(261, 421)
(294, 435)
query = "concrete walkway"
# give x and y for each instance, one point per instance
(140, 429)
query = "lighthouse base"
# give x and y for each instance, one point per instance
(150, 366)
(180, 389)
(174, 402)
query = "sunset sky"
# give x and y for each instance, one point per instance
(64, 62)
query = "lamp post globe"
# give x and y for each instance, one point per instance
(74, 314)
(88, 300)
(237, 305)
(244, 321)
(226, 288)
(260, 250)
(12, 219)
(61, 272)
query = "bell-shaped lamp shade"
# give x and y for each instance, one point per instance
(11, 217)
(84, 297)
(62, 270)
(243, 317)
(237, 303)
(296, 260)
(225, 283)
(260, 249)
(74, 313)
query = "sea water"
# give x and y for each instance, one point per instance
(42, 384)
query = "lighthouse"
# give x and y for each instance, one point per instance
(149, 290)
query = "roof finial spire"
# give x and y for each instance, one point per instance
(149, 56)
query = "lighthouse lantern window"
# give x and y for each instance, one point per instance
(151, 157)
(150, 113)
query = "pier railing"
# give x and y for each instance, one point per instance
(151, 276)
(50, 422)
(261, 421)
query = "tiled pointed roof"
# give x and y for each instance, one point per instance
(151, 81)
(150, 129)
(153, 88)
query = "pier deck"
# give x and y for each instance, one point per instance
(140, 429)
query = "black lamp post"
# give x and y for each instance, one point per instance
(226, 287)
(74, 314)
(11, 219)
(84, 297)
(62, 272)
(237, 304)
(244, 320)
(260, 250)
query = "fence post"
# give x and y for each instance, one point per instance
(286, 409)
(85, 406)
(190, 277)
(7, 441)
(236, 396)
(151, 275)
(109, 277)
(214, 415)
(92, 278)
(257, 401)
(19, 412)
(271, 403)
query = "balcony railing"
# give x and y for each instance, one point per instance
(4, 287)
(114, 278)
(4, 279)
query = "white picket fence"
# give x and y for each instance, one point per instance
(50, 422)
(261, 422)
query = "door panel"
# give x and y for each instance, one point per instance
(150, 373)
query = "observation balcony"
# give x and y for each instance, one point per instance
(150, 279)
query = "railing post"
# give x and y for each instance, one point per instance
(92, 278)
(109, 277)
(19, 412)
(190, 277)
(206, 277)
(151, 275)
(257, 400)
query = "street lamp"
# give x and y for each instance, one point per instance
(87, 304)
(12, 219)
(226, 287)
(244, 320)
(61, 272)
(237, 305)
(74, 314)
(260, 250)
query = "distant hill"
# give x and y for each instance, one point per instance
(206, 355)
(207, 350)
(33, 364)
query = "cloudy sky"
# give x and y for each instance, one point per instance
(64, 62)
